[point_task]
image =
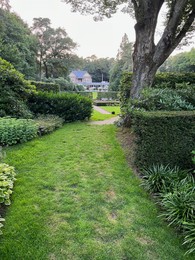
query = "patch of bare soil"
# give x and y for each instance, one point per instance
(127, 138)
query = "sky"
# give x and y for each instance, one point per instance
(93, 38)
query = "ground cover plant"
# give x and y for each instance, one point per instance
(77, 182)
(175, 192)
(7, 178)
(13, 131)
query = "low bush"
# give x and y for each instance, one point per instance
(189, 239)
(47, 124)
(7, 178)
(13, 131)
(164, 138)
(175, 190)
(14, 91)
(70, 107)
(164, 99)
(159, 178)
(109, 95)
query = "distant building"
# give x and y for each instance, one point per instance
(80, 76)
(84, 78)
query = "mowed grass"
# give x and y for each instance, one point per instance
(111, 109)
(76, 198)
(97, 116)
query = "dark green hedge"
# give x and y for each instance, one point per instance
(171, 79)
(70, 107)
(166, 79)
(164, 138)
(46, 86)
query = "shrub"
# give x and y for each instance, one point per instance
(162, 99)
(7, 178)
(13, 131)
(14, 91)
(109, 95)
(179, 205)
(189, 239)
(161, 179)
(164, 138)
(70, 107)
(47, 124)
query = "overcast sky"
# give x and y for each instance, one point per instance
(100, 38)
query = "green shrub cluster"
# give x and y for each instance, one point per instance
(170, 80)
(46, 86)
(109, 95)
(70, 107)
(152, 99)
(175, 190)
(48, 123)
(7, 178)
(14, 91)
(164, 138)
(13, 131)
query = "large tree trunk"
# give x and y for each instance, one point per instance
(147, 56)
(144, 67)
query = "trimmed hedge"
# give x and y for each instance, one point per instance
(46, 86)
(171, 80)
(164, 138)
(70, 107)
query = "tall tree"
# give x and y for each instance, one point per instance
(99, 69)
(17, 44)
(147, 56)
(182, 62)
(5, 4)
(124, 62)
(54, 48)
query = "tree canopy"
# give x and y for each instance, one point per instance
(17, 44)
(147, 56)
(54, 48)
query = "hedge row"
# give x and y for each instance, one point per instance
(13, 131)
(70, 107)
(164, 138)
(163, 79)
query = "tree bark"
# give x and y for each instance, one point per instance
(147, 56)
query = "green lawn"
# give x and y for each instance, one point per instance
(76, 198)
(111, 109)
(97, 116)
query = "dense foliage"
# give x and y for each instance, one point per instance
(70, 107)
(13, 131)
(164, 138)
(175, 192)
(181, 62)
(14, 91)
(17, 44)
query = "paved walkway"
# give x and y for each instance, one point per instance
(101, 110)
(109, 121)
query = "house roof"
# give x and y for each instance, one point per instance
(79, 73)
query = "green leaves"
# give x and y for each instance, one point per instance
(7, 178)
(13, 131)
